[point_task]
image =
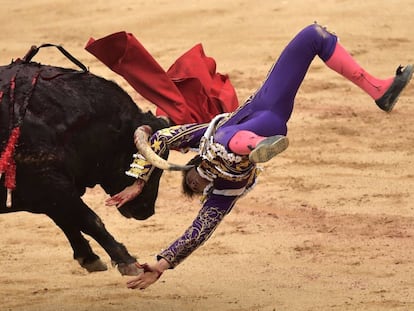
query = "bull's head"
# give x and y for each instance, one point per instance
(142, 206)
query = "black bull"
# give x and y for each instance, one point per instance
(76, 132)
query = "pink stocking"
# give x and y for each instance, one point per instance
(343, 63)
(244, 141)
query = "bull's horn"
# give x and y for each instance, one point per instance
(141, 136)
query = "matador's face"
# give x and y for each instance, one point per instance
(195, 181)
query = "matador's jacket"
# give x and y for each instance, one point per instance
(231, 176)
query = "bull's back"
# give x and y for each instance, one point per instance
(63, 100)
(68, 119)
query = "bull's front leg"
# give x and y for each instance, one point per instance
(91, 224)
(82, 251)
(76, 217)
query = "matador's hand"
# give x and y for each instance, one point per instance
(150, 275)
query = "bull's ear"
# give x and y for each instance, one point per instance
(167, 120)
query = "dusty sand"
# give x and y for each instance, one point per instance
(330, 225)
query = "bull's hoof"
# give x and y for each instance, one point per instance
(93, 266)
(129, 269)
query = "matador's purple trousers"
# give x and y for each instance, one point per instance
(268, 110)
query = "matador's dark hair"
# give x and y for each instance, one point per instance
(185, 188)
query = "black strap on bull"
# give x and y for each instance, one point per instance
(34, 49)
(7, 163)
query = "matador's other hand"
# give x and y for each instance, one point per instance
(126, 195)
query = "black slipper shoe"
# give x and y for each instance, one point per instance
(268, 148)
(387, 101)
